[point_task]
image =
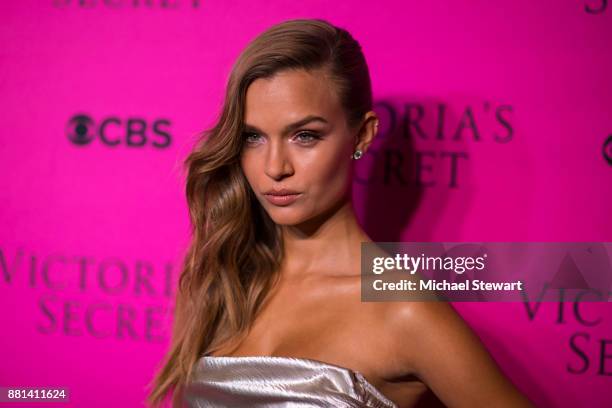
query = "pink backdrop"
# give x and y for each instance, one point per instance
(495, 118)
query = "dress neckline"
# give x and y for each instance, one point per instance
(356, 373)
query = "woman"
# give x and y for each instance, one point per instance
(268, 311)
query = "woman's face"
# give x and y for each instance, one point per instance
(296, 138)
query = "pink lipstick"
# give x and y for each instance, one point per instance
(281, 197)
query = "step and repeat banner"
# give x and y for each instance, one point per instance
(496, 125)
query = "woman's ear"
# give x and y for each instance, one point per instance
(367, 132)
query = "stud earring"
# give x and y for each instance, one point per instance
(357, 155)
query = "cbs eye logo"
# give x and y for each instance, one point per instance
(112, 131)
(596, 6)
(607, 150)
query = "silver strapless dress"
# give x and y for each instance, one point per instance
(275, 381)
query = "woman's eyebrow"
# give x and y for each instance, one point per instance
(289, 128)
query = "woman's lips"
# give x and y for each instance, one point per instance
(282, 200)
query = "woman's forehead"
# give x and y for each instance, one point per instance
(289, 96)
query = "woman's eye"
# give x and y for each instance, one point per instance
(307, 136)
(250, 137)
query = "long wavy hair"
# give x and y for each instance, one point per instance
(236, 249)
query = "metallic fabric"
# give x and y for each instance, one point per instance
(275, 381)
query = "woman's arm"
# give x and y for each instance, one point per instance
(446, 354)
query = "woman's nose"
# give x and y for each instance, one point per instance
(278, 164)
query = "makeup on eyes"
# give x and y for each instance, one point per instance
(313, 135)
(299, 136)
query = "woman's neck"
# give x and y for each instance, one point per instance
(328, 245)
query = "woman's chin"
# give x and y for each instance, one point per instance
(286, 217)
(286, 220)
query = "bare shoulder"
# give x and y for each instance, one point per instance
(432, 341)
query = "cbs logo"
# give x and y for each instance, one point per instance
(596, 6)
(112, 131)
(607, 149)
